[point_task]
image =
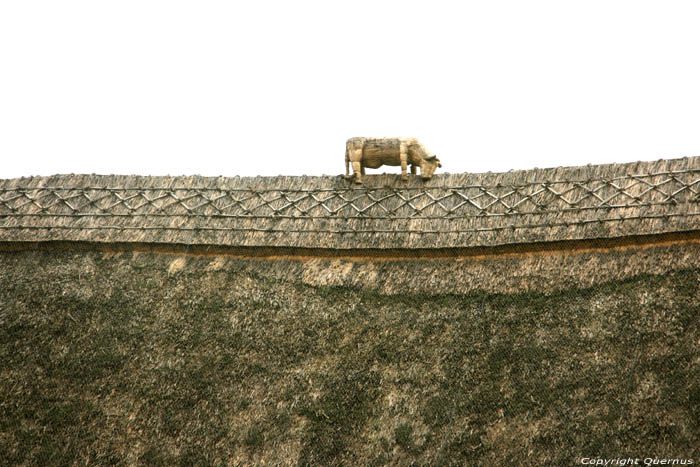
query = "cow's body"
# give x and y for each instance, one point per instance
(375, 152)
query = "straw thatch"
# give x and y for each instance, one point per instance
(487, 350)
(451, 210)
(127, 359)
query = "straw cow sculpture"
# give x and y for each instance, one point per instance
(375, 152)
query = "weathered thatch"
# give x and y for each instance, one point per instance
(449, 211)
(546, 315)
(150, 359)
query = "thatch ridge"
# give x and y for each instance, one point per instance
(451, 210)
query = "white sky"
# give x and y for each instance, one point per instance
(276, 87)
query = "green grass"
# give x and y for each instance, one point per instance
(105, 363)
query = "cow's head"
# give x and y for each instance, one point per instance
(430, 163)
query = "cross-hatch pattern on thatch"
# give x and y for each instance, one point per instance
(632, 191)
(452, 210)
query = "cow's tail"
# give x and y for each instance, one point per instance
(347, 162)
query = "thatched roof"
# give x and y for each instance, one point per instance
(451, 210)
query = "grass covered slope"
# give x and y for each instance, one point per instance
(145, 359)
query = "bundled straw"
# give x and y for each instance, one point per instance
(451, 210)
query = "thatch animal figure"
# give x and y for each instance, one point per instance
(375, 152)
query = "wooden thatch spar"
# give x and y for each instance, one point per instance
(451, 210)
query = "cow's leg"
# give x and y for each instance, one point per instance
(362, 170)
(403, 155)
(358, 170)
(354, 157)
(413, 169)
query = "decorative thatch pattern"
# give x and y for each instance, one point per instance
(452, 210)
